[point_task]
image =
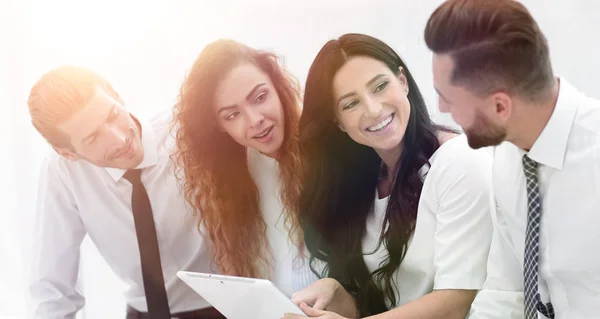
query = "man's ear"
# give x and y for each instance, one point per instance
(503, 106)
(66, 153)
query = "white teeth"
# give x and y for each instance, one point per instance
(379, 126)
(264, 134)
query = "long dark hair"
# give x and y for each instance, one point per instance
(213, 167)
(340, 178)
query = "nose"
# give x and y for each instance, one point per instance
(119, 137)
(373, 107)
(255, 118)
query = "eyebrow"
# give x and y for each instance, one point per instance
(442, 95)
(375, 78)
(229, 107)
(112, 109)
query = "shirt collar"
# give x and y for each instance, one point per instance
(150, 147)
(550, 147)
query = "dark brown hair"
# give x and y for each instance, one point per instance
(495, 45)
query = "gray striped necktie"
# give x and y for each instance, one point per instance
(533, 302)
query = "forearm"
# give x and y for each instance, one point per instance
(439, 304)
(53, 280)
(54, 257)
(47, 304)
(343, 303)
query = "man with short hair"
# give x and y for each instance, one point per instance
(492, 71)
(111, 178)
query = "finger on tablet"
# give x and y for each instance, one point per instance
(296, 300)
(293, 316)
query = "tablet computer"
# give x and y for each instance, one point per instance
(239, 297)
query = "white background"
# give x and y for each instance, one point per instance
(145, 49)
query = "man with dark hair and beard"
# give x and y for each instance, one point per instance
(492, 71)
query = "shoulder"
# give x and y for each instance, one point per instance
(58, 174)
(56, 166)
(53, 164)
(164, 130)
(456, 168)
(585, 129)
(455, 155)
(587, 120)
(583, 144)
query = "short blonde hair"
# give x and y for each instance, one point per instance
(59, 94)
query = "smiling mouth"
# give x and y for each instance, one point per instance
(264, 132)
(381, 125)
(126, 150)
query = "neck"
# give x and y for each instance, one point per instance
(531, 119)
(274, 155)
(390, 158)
(271, 155)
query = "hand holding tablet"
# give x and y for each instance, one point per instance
(239, 297)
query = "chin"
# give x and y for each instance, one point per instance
(389, 145)
(270, 151)
(138, 160)
(139, 157)
(477, 142)
(134, 161)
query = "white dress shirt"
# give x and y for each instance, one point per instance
(449, 246)
(568, 153)
(77, 199)
(290, 271)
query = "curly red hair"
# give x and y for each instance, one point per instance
(213, 167)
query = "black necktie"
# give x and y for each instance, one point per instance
(154, 284)
(533, 303)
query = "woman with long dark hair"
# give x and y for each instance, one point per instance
(237, 153)
(395, 206)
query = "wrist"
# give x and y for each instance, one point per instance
(342, 301)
